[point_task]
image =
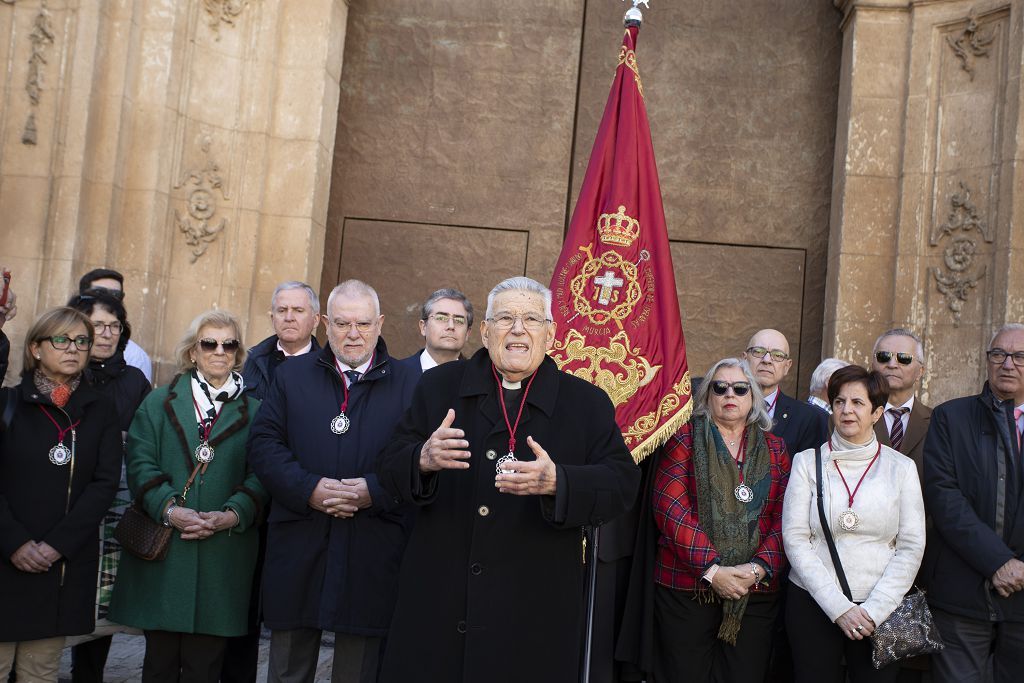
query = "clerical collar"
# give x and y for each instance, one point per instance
(305, 349)
(511, 385)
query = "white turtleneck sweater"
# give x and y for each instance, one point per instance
(882, 555)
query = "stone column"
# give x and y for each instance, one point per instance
(185, 143)
(922, 229)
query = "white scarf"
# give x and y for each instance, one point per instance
(210, 403)
(854, 451)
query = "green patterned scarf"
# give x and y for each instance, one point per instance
(731, 525)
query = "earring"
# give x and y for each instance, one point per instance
(38, 357)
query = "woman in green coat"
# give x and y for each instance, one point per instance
(195, 428)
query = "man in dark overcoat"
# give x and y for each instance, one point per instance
(974, 493)
(335, 537)
(508, 458)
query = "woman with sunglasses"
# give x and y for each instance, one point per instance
(109, 374)
(186, 460)
(60, 461)
(873, 510)
(717, 501)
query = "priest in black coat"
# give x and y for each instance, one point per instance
(492, 585)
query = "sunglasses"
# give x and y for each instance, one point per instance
(884, 357)
(93, 292)
(738, 388)
(210, 345)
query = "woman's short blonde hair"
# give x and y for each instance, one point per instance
(214, 318)
(51, 322)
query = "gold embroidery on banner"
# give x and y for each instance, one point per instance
(618, 369)
(606, 290)
(646, 424)
(628, 57)
(618, 229)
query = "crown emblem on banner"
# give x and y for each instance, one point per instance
(618, 228)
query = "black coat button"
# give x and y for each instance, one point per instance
(476, 569)
(461, 627)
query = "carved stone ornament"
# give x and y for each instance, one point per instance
(199, 224)
(970, 44)
(41, 37)
(953, 280)
(223, 11)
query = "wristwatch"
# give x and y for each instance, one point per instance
(167, 513)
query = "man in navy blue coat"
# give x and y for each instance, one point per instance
(446, 318)
(974, 493)
(335, 538)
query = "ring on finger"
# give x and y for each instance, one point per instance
(859, 628)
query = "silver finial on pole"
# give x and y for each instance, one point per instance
(633, 14)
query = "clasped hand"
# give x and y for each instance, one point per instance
(1009, 578)
(340, 497)
(732, 583)
(195, 526)
(34, 557)
(856, 623)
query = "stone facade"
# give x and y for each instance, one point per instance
(830, 168)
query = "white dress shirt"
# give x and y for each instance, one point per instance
(770, 400)
(904, 418)
(305, 349)
(427, 361)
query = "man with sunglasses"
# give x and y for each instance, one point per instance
(974, 493)
(111, 282)
(445, 322)
(899, 356)
(800, 425)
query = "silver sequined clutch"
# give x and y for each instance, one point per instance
(908, 632)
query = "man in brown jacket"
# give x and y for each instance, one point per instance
(899, 355)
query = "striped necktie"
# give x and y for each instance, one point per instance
(1017, 412)
(896, 433)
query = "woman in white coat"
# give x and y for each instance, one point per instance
(872, 503)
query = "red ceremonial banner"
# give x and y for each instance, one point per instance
(614, 290)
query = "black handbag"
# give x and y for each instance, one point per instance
(910, 630)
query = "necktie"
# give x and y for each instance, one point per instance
(1017, 412)
(353, 376)
(896, 433)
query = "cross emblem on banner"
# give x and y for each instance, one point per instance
(607, 282)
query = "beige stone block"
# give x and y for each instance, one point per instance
(879, 65)
(918, 149)
(336, 39)
(864, 290)
(153, 64)
(251, 179)
(326, 133)
(304, 33)
(321, 185)
(874, 137)
(967, 131)
(23, 205)
(853, 340)
(299, 104)
(283, 247)
(146, 164)
(291, 177)
(215, 88)
(145, 231)
(869, 215)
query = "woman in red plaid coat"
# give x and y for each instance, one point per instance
(717, 501)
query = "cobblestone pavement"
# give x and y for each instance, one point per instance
(124, 663)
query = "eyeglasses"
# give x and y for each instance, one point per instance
(62, 342)
(361, 327)
(115, 328)
(999, 356)
(114, 293)
(884, 357)
(738, 388)
(210, 345)
(759, 352)
(505, 321)
(444, 319)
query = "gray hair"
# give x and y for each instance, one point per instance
(902, 332)
(758, 411)
(819, 378)
(447, 293)
(1008, 327)
(314, 300)
(213, 318)
(520, 284)
(355, 288)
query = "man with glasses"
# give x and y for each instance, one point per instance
(110, 282)
(800, 425)
(335, 537)
(445, 321)
(974, 492)
(899, 356)
(507, 458)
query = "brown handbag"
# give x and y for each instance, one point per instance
(138, 533)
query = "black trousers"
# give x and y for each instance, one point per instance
(978, 651)
(173, 657)
(819, 647)
(687, 646)
(89, 659)
(241, 658)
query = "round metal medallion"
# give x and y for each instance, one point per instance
(204, 452)
(340, 424)
(743, 493)
(848, 520)
(499, 466)
(60, 454)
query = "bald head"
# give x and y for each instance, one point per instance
(767, 355)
